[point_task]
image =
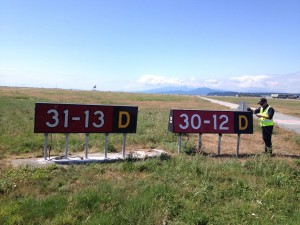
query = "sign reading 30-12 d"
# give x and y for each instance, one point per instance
(75, 118)
(203, 121)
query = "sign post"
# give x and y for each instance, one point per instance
(238, 144)
(106, 145)
(124, 145)
(45, 145)
(219, 144)
(179, 143)
(199, 141)
(67, 146)
(86, 145)
(205, 121)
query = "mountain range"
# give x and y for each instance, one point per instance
(205, 91)
(181, 91)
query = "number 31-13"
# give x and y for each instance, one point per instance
(55, 118)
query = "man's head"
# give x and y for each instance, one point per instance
(262, 101)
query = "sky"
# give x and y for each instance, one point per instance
(135, 45)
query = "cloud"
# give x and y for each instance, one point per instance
(269, 83)
(245, 83)
(250, 79)
(212, 81)
(289, 83)
(149, 81)
(154, 80)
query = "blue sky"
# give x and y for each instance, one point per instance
(130, 45)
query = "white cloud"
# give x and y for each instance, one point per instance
(154, 80)
(247, 78)
(212, 81)
(245, 83)
(268, 83)
(289, 83)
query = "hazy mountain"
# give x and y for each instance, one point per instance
(208, 91)
(181, 91)
(167, 90)
(201, 91)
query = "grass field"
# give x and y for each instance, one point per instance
(172, 189)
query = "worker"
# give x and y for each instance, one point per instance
(265, 114)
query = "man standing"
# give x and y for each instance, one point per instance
(265, 114)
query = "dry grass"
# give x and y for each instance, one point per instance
(184, 189)
(283, 141)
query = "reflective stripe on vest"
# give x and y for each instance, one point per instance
(263, 121)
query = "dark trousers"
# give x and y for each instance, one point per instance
(267, 136)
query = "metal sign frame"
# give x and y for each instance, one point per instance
(207, 121)
(82, 118)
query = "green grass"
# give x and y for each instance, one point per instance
(17, 121)
(171, 189)
(16, 125)
(177, 190)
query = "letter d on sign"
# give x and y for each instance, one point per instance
(243, 122)
(123, 114)
(241, 118)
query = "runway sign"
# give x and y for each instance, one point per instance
(204, 121)
(76, 118)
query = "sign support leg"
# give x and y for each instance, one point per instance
(238, 144)
(106, 145)
(219, 144)
(179, 143)
(86, 145)
(45, 145)
(199, 141)
(123, 145)
(67, 146)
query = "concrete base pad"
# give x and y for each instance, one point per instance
(92, 158)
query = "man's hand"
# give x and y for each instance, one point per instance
(261, 116)
(249, 109)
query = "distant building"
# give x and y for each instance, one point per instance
(274, 95)
(284, 96)
(293, 96)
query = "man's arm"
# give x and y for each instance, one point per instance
(271, 112)
(255, 111)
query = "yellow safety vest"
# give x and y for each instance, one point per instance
(263, 121)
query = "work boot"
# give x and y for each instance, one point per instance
(268, 150)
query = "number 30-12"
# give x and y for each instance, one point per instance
(195, 122)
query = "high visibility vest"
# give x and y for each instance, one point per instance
(263, 121)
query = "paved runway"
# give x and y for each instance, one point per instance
(282, 120)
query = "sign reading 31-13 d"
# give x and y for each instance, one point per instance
(75, 118)
(203, 121)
